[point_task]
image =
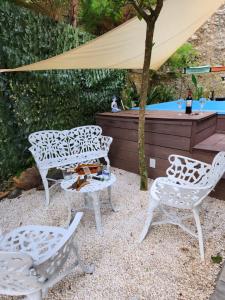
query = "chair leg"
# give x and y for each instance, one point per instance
(34, 296)
(152, 205)
(88, 269)
(45, 183)
(199, 229)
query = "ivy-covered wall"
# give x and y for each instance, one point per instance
(33, 101)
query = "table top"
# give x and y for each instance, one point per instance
(93, 186)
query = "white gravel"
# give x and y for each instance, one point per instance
(166, 266)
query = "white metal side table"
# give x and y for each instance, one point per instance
(91, 193)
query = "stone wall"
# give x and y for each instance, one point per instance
(209, 41)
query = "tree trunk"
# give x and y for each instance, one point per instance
(74, 12)
(143, 100)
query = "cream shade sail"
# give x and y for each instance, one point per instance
(123, 47)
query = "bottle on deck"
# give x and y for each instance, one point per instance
(212, 95)
(189, 100)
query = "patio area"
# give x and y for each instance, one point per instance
(165, 266)
(110, 188)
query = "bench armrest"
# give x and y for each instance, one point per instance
(106, 142)
(36, 154)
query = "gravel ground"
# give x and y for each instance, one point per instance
(165, 266)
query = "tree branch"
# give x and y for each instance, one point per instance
(158, 8)
(140, 11)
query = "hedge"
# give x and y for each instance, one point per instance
(32, 101)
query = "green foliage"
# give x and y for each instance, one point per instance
(160, 93)
(130, 95)
(199, 90)
(33, 101)
(186, 55)
(100, 16)
(97, 15)
(55, 9)
(9, 154)
(217, 259)
(194, 80)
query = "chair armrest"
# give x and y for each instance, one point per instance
(106, 142)
(178, 195)
(75, 222)
(186, 170)
(15, 261)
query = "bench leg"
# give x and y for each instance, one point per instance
(45, 184)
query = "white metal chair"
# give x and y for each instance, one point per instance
(187, 183)
(32, 259)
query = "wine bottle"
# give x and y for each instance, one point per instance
(211, 97)
(189, 100)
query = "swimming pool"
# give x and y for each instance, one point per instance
(213, 106)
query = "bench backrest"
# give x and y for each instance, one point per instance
(53, 144)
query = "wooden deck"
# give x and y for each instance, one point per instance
(220, 123)
(158, 114)
(215, 143)
(166, 133)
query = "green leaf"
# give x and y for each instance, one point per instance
(194, 80)
(35, 101)
(217, 259)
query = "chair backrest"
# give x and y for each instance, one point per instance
(217, 169)
(50, 145)
(187, 171)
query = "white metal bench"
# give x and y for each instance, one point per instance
(57, 149)
(32, 259)
(187, 184)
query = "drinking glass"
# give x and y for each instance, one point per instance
(106, 173)
(202, 102)
(67, 174)
(179, 103)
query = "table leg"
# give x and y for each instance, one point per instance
(88, 201)
(85, 199)
(110, 198)
(70, 210)
(96, 206)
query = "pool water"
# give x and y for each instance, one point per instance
(212, 106)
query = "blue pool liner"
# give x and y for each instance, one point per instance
(210, 106)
